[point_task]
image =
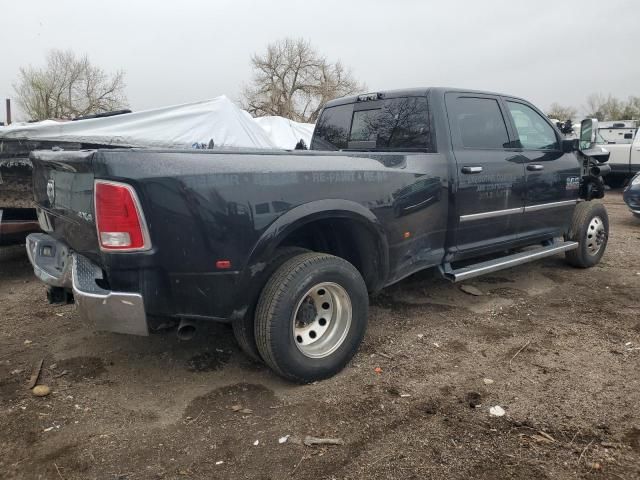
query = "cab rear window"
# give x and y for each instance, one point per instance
(395, 124)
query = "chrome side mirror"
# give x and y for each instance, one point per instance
(588, 131)
(588, 147)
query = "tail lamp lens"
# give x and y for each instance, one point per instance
(118, 217)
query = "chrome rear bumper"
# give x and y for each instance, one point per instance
(57, 266)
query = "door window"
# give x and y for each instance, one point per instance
(534, 132)
(479, 123)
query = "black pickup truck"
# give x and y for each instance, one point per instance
(287, 245)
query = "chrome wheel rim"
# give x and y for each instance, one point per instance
(321, 320)
(596, 236)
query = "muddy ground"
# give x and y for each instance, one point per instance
(556, 347)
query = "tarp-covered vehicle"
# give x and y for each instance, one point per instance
(201, 125)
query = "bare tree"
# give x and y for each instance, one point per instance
(632, 109)
(291, 79)
(68, 86)
(594, 104)
(605, 108)
(561, 112)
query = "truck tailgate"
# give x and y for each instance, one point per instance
(63, 192)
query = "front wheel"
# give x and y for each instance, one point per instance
(311, 317)
(590, 228)
(615, 181)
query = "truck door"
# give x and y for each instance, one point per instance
(490, 179)
(552, 177)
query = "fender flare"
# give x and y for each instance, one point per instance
(307, 213)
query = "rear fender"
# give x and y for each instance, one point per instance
(307, 213)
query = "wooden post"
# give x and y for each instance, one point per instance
(8, 111)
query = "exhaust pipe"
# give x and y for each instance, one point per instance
(186, 330)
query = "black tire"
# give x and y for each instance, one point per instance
(278, 301)
(243, 329)
(584, 228)
(615, 181)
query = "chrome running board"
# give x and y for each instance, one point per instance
(509, 261)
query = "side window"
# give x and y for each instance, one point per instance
(479, 122)
(534, 132)
(393, 124)
(332, 130)
(399, 123)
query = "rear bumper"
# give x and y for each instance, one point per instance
(57, 266)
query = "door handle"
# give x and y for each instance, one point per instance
(535, 168)
(468, 169)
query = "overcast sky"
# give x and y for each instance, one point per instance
(181, 51)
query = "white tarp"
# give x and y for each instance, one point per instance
(285, 133)
(179, 126)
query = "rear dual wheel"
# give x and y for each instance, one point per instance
(243, 328)
(615, 181)
(311, 317)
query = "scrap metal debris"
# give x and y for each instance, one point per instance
(311, 441)
(35, 374)
(471, 290)
(241, 409)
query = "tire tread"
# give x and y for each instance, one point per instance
(276, 286)
(244, 328)
(273, 293)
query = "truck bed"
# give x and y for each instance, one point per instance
(201, 206)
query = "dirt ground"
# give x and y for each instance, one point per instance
(558, 348)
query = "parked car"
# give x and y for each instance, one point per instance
(624, 161)
(287, 245)
(632, 195)
(621, 131)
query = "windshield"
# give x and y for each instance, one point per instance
(395, 124)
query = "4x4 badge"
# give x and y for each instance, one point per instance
(51, 191)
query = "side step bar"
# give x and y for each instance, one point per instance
(509, 261)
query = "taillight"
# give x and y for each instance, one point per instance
(119, 218)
